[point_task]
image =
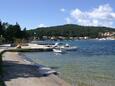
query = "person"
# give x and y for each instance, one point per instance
(18, 46)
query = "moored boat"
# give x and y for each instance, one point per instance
(65, 47)
(58, 50)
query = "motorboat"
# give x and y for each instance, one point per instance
(58, 50)
(65, 47)
(70, 48)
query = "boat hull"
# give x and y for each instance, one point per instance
(58, 50)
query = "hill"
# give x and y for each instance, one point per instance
(71, 30)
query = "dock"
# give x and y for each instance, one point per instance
(26, 49)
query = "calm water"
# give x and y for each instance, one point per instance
(93, 64)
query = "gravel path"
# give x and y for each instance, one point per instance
(20, 72)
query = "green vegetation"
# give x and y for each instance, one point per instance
(70, 30)
(10, 33)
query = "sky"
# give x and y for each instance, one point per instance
(44, 13)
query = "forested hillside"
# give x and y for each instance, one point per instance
(70, 30)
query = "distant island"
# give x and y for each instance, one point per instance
(14, 33)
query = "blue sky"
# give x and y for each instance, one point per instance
(41, 13)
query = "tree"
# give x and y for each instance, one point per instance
(25, 34)
(13, 32)
(1, 29)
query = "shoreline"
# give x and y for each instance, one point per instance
(26, 59)
(22, 70)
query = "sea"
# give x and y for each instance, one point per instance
(92, 64)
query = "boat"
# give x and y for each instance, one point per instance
(58, 50)
(65, 47)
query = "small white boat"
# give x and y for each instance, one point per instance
(58, 50)
(65, 47)
(70, 48)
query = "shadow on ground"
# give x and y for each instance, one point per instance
(13, 70)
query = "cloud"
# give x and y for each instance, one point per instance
(41, 25)
(62, 10)
(68, 20)
(100, 16)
